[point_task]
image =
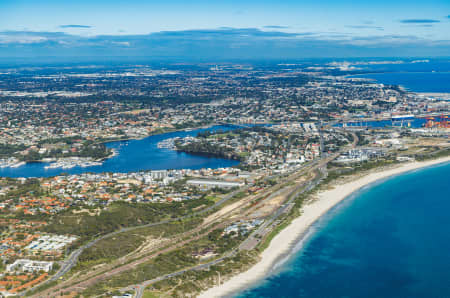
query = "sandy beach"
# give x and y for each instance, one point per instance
(286, 239)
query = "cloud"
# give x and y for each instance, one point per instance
(122, 43)
(17, 39)
(216, 44)
(227, 32)
(365, 27)
(30, 37)
(75, 26)
(276, 27)
(419, 21)
(386, 40)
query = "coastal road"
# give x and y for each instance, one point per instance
(78, 285)
(89, 281)
(252, 239)
(71, 261)
(140, 288)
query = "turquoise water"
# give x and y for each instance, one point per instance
(391, 239)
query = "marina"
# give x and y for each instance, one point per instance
(71, 162)
(11, 162)
(168, 143)
(150, 153)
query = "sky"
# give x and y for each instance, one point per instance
(224, 29)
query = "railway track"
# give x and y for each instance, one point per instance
(77, 285)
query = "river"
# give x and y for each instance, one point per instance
(133, 156)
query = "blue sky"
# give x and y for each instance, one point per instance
(28, 26)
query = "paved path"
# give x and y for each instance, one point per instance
(71, 261)
(304, 187)
(73, 258)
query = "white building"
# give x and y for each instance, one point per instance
(214, 183)
(50, 242)
(29, 266)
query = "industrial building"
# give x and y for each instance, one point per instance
(214, 183)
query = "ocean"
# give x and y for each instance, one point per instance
(430, 76)
(414, 81)
(389, 239)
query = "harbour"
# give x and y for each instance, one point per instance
(151, 153)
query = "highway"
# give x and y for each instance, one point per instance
(320, 165)
(302, 188)
(139, 289)
(71, 261)
(226, 216)
(317, 164)
(116, 270)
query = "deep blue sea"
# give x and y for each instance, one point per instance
(135, 155)
(414, 81)
(391, 239)
(431, 76)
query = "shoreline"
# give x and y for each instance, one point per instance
(283, 243)
(115, 152)
(439, 95)
(187, 129)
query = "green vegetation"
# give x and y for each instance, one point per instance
(8, 149)
(265, 243)
(42, 287)
(119, 245)
(160, 265)
(169, 229)
(339, 170)
(150, 295)
(119, 215)
(204, 147)
(66, 140)
(362, 141)
(168, 262)
(109, 249)
(240, 195)
(193, 282)
(86, 149)
(29, 187)
(437, 153)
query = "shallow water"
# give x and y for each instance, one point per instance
(388, 240)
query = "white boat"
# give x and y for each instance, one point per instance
(403, 117)
(19, 164)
